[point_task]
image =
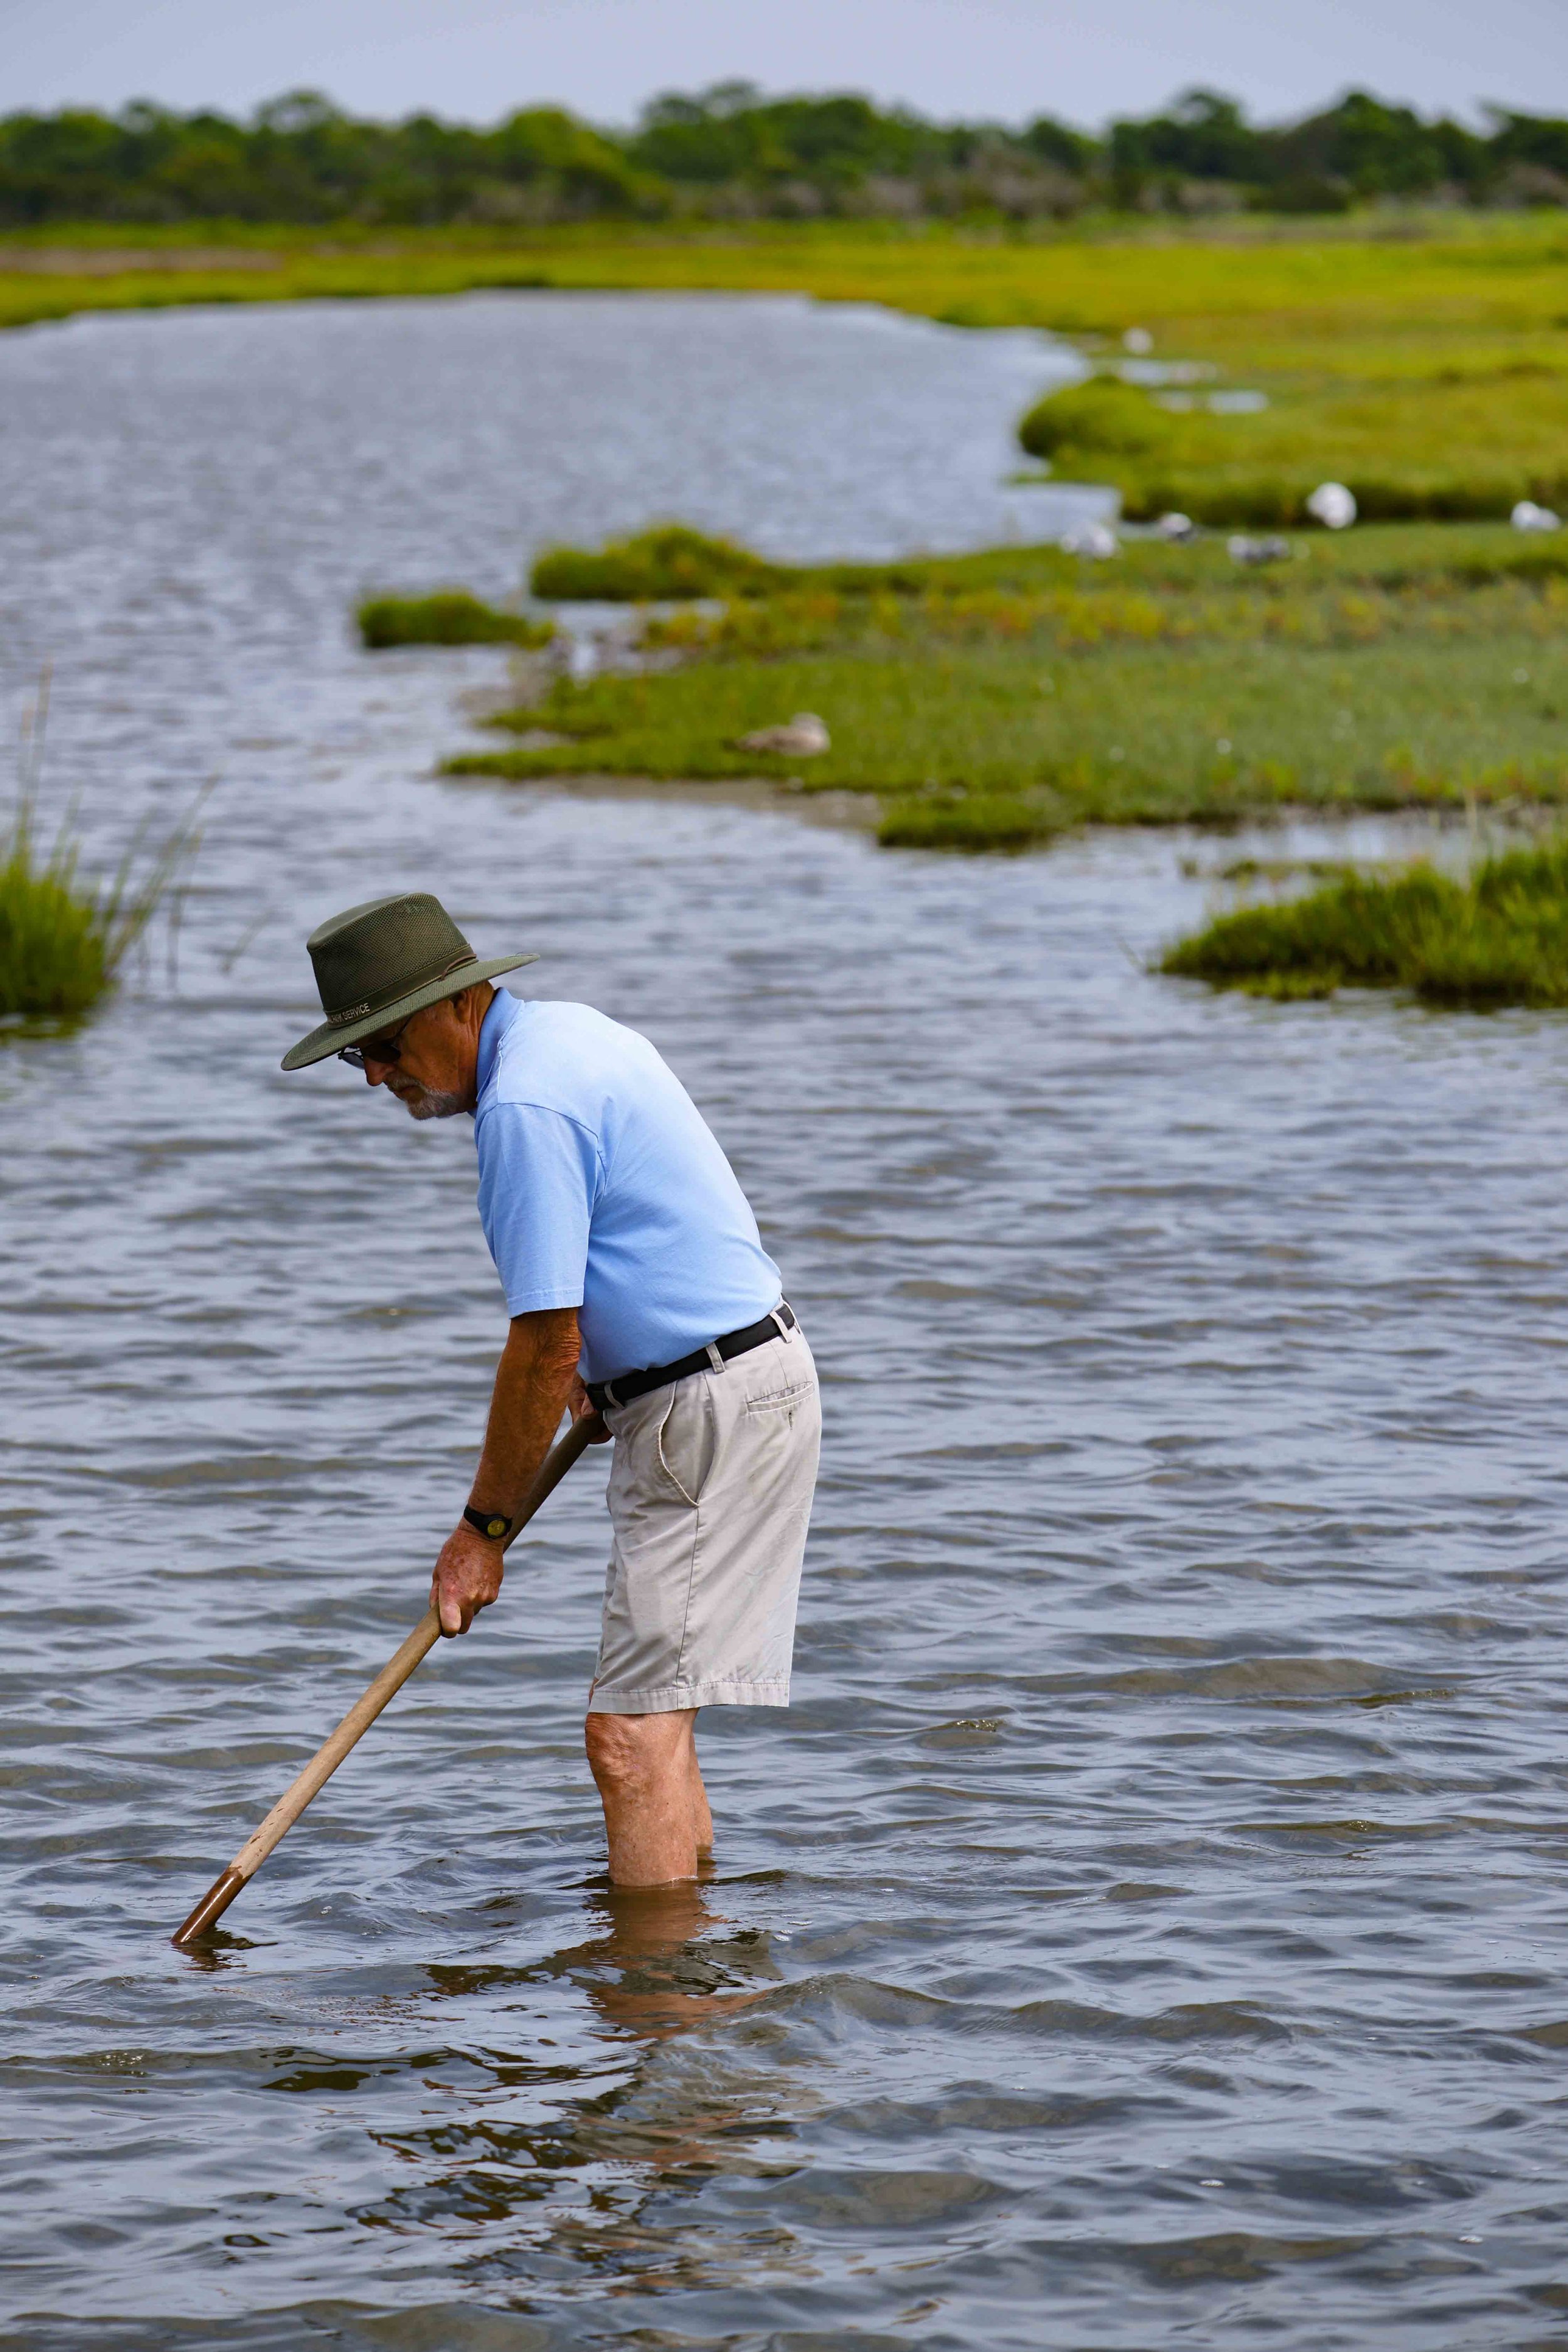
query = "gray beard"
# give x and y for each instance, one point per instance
(430, 1104)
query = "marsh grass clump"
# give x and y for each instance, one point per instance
(666, 565)
(451, 617)
(1499, 938)
(1102, 417)
(673, 564)
(969, 821)
(54, 956)
(62, 941)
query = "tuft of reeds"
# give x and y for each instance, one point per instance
(449, 617)
(1499, 938)
(63, 940)
(53, 955)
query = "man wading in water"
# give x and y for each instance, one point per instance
(639, 1289)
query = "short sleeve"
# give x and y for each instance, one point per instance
(540, 1174)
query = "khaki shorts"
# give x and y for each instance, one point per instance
(711, 1487)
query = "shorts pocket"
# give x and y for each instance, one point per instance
(779, 1399)
(687, 1440)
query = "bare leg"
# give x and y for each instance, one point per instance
(701, 1814)
(655, 1809)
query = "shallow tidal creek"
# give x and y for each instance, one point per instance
(1148, 1925)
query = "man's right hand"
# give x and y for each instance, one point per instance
(537, 1376)
(467, 1579)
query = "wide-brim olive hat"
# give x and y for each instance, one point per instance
(378, 962)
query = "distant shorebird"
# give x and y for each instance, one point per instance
(1096, 539)
(1272, 549)
(802, 739)
(1333, 506)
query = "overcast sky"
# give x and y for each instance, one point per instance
(1084, 59)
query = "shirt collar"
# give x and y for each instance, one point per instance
(504, 1011)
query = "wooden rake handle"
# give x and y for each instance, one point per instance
(363, 1714)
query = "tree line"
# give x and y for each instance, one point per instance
(730, 152)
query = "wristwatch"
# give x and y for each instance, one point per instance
(493, 1524)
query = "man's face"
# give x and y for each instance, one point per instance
(437, 1058)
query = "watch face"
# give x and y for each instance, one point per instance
(495, 1528)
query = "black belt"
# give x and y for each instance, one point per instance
(627, 1385)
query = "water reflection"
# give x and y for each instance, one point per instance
(219, 1949)
(657, 1965)
(554, 2185)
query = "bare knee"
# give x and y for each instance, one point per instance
(612, 1753)
(623, 1759)
(630, 1753)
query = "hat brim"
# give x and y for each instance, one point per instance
(332, 1037)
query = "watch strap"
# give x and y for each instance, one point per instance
(495, 1525)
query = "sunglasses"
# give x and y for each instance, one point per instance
(388, 1051)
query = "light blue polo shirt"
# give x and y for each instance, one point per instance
(602, 1187)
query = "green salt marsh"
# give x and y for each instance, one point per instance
(995, 699)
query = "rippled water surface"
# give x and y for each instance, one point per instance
(1147, 1925)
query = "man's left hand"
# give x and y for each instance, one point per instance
(467, 1580)
(581, 1407)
